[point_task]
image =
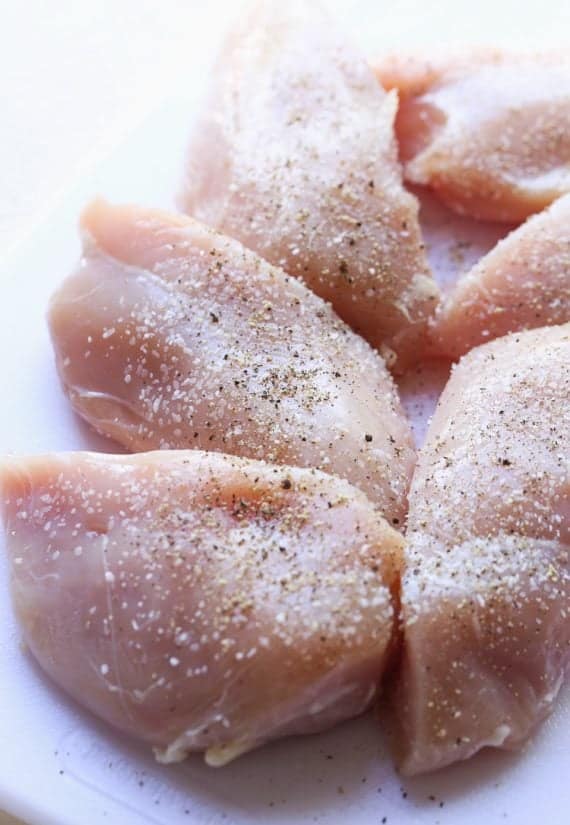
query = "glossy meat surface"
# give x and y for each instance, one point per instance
(486, 589)
(523, 283)
(169, 335)
(489, 133)
(198, 601)
(294, 154)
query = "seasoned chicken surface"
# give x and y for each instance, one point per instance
(485, 595)
(169, 335)
(294, 154)
(524, 282)
(489, 133)
(199, 601)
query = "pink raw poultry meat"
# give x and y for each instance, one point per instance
(488, 132)
(198, 601)
(524, 282)
(486, 589)
(294, 154)
(170, 335)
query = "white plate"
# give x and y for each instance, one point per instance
(58, 765)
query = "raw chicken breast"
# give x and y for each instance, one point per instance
(199, 601)
(294, 154)
(490, 133)
(169, 335)
(524, 282)
(485, 595)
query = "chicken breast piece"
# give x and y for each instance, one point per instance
(169, 335)
(489, 133)
(524, 282)
(485, 595)
(294, 154)
(198, 601)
